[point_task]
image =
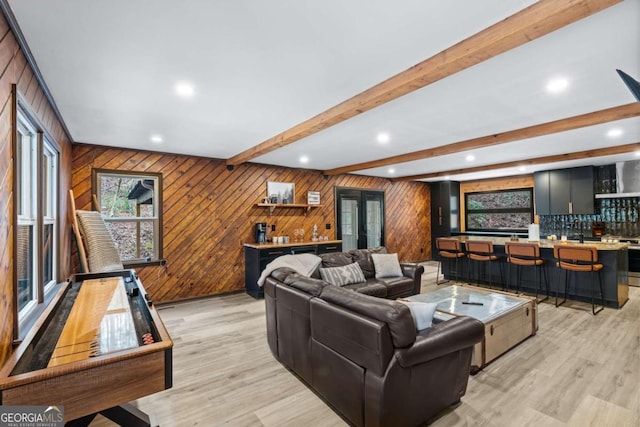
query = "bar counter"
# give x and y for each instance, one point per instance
(614, 275)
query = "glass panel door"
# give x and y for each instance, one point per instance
(349, 223)
(374, 220)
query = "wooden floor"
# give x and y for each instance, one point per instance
(579, 370)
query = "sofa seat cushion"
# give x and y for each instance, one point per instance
(370, 287)
(397, 285)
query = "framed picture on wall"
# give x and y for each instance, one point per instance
(280, 192)
(313, 197)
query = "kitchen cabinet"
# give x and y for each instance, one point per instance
(564, 191)
(445, 211)
(257, 256)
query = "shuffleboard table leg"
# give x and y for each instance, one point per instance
(127, 415)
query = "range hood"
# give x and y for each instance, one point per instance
(627, 180)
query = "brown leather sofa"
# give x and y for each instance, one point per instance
(386, 287)
(362, 354)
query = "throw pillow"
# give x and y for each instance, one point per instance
(341, 276)
(386, 265)
(422, 313)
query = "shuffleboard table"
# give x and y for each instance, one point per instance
(99, 345)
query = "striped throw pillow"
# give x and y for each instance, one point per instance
(341, 276)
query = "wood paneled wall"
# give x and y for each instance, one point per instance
(520, 181)
(14, 69)
(209, 212)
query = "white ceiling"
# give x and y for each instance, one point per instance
(260, 68)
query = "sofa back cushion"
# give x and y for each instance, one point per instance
(306, 284)
(395, 315)
(335, 259)
(363, 341)
(363, 257)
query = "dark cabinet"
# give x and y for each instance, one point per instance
(564, 191)
(256, 259)
(445, 211)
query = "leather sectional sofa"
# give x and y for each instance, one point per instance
(362, 353)
(386, 287)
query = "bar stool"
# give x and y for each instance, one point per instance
(450, 249)
(579, 259)
(524, 254)
(482, 251)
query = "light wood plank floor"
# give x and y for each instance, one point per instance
(579, 370)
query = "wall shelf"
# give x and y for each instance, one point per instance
(273, 206)
(616, 195)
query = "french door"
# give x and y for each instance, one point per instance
(360, 218)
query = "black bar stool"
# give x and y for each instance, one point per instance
(580, 259)
(525, 254)
(482, 251)
(450, 249)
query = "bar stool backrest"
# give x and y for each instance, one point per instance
(448, 245)
(522, 250)
(576, 254)
(479, 246)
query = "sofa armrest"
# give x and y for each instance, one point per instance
(441, 339)
(414, 271)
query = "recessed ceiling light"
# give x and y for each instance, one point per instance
(638, 153)
(447, 177)
(522, 168)
(557, 85)
(383, 138)
(304, 159)
(470, 158)
(614, 133)
(185, 89)
(392, 171)
(156, 138)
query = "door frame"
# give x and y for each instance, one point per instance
(360, 194)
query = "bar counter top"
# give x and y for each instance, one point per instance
(545, 243)
(614, 275)
(290, 244)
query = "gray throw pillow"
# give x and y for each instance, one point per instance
(341, 276)
(422, 313)
(386, 265)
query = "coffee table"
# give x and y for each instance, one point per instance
(508, 319)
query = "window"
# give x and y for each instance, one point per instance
(503, 210)
(130, 204)
(49, 213)
(37, 217)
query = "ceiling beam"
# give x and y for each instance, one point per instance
(597, 152)
(533, 22)
(589, 119)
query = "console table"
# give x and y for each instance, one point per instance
(257, 256)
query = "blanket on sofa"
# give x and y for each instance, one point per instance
(304, 264)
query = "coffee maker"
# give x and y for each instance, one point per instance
(261, 232)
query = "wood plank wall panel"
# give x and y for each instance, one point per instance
(507, 183)
(15, 70)
(208, 212)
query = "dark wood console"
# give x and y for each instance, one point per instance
(256, 258)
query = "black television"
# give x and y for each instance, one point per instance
(632, 84)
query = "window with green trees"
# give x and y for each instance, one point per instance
(503, 210)
(130, 204)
